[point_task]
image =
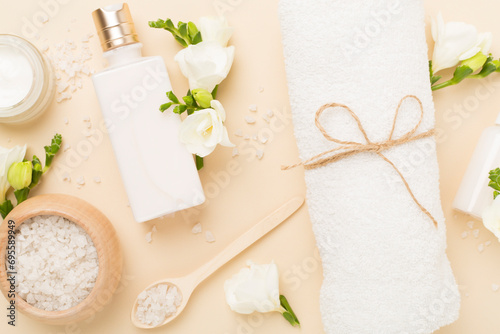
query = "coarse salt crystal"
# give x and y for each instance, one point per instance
(238, 133)
(495, 287)
(66, 147)
(470, 224)
(487, 243)
(270, 113)
(80, 180)
(156, 304)
(235, 152)
(475, 233)
(480, 248)
(209, 237)
(259, 154)
(65, 120)
(196, 228)
(465, 234)
(97, 179)
(149, 237)
(249, 119)
(261, 89)
(252, 107)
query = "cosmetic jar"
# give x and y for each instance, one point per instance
(27, 82)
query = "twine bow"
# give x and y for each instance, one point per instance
(349, 148)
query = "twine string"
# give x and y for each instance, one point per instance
(350, 148)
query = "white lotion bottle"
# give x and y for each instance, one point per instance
(474, 195)
(159, 174)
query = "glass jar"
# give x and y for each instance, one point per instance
(27, 81)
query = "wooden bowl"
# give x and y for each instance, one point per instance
(105, 241)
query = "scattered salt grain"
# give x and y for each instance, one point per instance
(254, 137)
(487, 243)
(196, 229)
(154, 229)
(247, 137)
(261, 89)
(465, 234)
(264, 117)
(480, 248)
(235, 152)
(97, 179)
(270, 113)
(495, 287)
(65, 120)
(249, 119)
(475, 233)
(259, 154)
(66, 147)
(209, 237)
(238, 133)
(66, 177)
(157, 304)
(149, 237)
(252, 107)
(86, 118)
(57, 263)
(263, 139)
(80, 181)
(470, 224)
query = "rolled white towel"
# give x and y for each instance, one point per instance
(384, 261)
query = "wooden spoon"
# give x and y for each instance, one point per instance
(187, 284)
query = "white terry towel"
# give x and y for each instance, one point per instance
(385, 266)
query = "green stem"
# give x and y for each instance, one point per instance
(444, 84)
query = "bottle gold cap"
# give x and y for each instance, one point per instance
(115, 26)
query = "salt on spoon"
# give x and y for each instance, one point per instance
(179, 289)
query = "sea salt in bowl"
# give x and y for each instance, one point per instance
(103, 237)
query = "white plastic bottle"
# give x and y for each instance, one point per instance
(159, 174)
(474, 195)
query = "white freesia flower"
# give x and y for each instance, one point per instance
(7, 158)
(215, 29)
(254, 288)
(456, 41)
(204, 129)
(491, 217)
(205, 64)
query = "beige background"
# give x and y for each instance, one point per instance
(258, 186)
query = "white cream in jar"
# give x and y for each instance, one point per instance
(26, 80)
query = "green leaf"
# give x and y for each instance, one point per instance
(52, 149)
(494, 176)
(461, 73)
(189, 100)
(197, 38)
(21, 195)
(169, 25)
(183, 32)
(199, 162)
(5, 208)
(488, 68)
(289, 314)
(192, 30)
(180, 109)
(181, 41)
(179, 24)
(214, 92)
(171, 96)
(190, 110)
(165, 106)
(37, 172)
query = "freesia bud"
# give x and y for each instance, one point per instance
(19, 175)
(475, 62)
(203, 97)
